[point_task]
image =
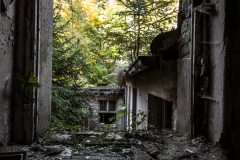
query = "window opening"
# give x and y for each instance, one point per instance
(107, 111)
(103, 105)
(107, 118)
(112, 106)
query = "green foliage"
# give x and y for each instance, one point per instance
(139, 119)
(122, 111)
(143, 20)
(82, 53)
(68, 110)
(112, 119)
(27, 81)
(90, 36)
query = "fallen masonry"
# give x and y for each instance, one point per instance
(110, 145)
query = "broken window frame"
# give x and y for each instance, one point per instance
(107, 111)
(107, 106)
(101, 105)
(112, 105)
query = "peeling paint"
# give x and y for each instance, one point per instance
(10, 12)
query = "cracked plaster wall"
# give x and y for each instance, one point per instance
(7, 30)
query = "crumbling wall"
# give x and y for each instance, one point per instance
(7, 31)
(94, 120)
(184, 69)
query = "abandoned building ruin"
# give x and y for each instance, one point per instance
(192, 89)
(150, 93)
(105, 101)
(190, 83)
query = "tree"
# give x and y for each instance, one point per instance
(146, 19)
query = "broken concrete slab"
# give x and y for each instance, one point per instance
(151, 148)
(53, 150)
(67, 152)
(140, 154)
(114, 136)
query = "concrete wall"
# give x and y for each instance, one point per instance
(7, 31)
(19, 44)
(224, 109)
(24, 61)
(184, 70)
(158, 82)
(214, 97)
(45, 65)
(209, 70)
(217, 44)
(183, 96)
(31, 107)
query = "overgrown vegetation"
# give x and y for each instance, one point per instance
(95, 39)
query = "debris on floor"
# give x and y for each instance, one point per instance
(143, 145)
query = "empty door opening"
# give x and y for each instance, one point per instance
(160, 113)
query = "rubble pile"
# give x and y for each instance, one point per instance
(142, 145)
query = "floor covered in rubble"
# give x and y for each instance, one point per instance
(107, 145)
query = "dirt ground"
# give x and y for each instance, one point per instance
(109, 145)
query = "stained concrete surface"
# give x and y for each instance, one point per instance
(102, 145)
(7, 31)
(217, 41)
(184, 71)
(183, 94)
(19, 57)
(45, 66)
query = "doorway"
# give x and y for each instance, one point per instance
(160, 113)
